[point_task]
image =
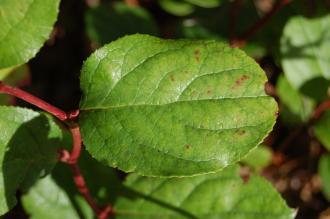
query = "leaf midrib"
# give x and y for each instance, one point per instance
(176, 102)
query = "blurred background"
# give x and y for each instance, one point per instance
(287, 39)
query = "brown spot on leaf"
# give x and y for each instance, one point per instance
(172, 78)
(197, 55)
(241, 132)
(187, 146)
(194, 93)
(209, 92)
(239, 81)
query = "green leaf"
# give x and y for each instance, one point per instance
(25, 26)
(172, 107)
(258, 158)
(205, 3)
(321, 129)
(105, 23)
(305, 48)
(47, 200)
(5, 72)
(324, 172)
(28, 150)
(14, 76)
(56, 196)
(296, 107)
(177, 7)
(222, 195)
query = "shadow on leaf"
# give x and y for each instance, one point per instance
(30, 154)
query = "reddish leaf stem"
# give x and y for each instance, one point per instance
(76, 147)
(84, 191)
(72, 160)
(65, 156)
(321, 108)
(133, 3)
(16, 92)
(241, 41)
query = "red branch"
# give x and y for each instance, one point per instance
(84, 191)
(72, 158)
(65, 156)
(16, 92)
(241, 41)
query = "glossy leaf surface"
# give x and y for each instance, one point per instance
(28, 150)
(172, 108)
(221, 195)
(25, 26)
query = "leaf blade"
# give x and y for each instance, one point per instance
(22, 31)
(186, 110)
(208, 196)
(28, 150)
(305, 56)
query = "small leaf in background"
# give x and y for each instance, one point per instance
(305, 48)
(172, 107)
(295, 107)
(206, 3)
(25, 26)
(192, 29)
(177, 7)
(324, 172)
(28, 150)
(220, 195)
(57, 197)
(258, 158)
(186, 7)
(322, 129)
(213, 24)
(14, 76)
(106, 23)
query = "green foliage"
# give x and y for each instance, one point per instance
(55, 196)
(14, 76)
(5, 72)
(306, 56)
(47, 200)
(165, 109)
(106, 23)
(322, 128)
(186, 7)
(25, 26)
(195, 100)
(28, 150)
(295, 107)
(220, 195)
(324, 171)
(205, 3)
(258, 158)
